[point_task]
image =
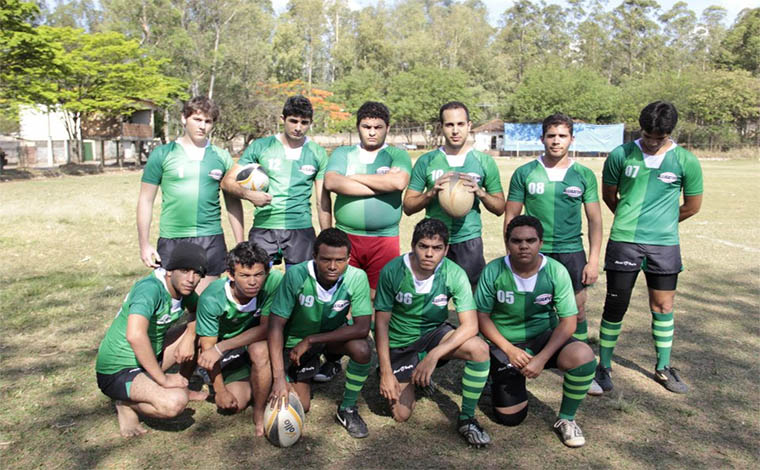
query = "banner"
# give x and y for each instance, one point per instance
(588, 137)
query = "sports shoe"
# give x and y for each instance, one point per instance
(595, 389)
(327, 371)
(353, 423)
(473, 433)
(602, 378)
(670, 378)
(569, 432)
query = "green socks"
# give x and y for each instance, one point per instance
(581, 331)
(576, 384)
(662, 332)
(356, 375)
(473, 381)
(608, 336)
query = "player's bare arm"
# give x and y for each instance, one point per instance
(186, 348)
(280, 388)
(468, 328)
(691, 205)
(148, 253)
(235, 215)
(415, 201)
(359, 330)
(137, 337)
(560, 335)
(223, 398)
(517, 357)
(324, 205)
(230, 186)
(340, 184)
(594, 217)
(610, 196)
(395, 180)
(511, 210)
(389, 386)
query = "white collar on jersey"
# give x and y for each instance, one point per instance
(654, 161)
(454, 160)
(366, 157)
(160, 274)
(525, 284)
(325, 295)
(249, 307)
(555, 174)
(421, 286)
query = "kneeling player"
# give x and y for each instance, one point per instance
(139, 347)
(520, 298)
(412, 334)
(308, 318)
(233, 331)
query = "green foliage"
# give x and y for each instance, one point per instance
(741, 47)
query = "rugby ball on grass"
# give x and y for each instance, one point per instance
(253, 176)
(283, 426)
(454, 198)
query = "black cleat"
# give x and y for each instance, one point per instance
(353, 423)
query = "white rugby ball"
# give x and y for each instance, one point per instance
(253, 176)
(454, 198)
(283, 426)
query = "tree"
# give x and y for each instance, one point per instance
(635, 36)
(740, 48)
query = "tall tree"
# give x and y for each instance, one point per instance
(740, 49)
(635, 36)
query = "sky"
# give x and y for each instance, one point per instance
(497, 7)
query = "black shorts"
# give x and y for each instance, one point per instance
(117, 386)
(574, 263)
(655, 259)
(295, 246)
(405, 359)
(309, 364)
(216, 251)
(235, 365)
(508, 384)
(469, 256)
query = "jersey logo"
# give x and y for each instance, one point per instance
(166, 318)
(668, 177)
(574, 191)
(543, 299)
(216, 174)
(340, 305)
(308, 170)
(383, 170)
(441, 300)
(475, 177)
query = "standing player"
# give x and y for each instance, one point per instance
(641, 184)
(308, 317)
(527, 311)
(412, 332)
(188, 171)
(232, 326)
(553, 188)
(282, 220)
(139, 347)
(435, 168)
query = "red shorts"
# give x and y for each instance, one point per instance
(371, 254)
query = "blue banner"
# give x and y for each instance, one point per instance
(588, 137)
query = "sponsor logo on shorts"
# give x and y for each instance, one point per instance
(543, 299)
(403, 368)
(441, 300)
(305, 369)
(668, 177)
(257, 313)
(383, 170)
(340, 305)
(574, 191)
(164, 319)
(624, 263)
(135, 369)
(308, 170)
(216, 174)
(475, 177)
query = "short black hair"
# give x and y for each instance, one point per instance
(201, 104)
(659, 117)
(373, 109)
(333, 237)
(429, 228)
(557, 119)
(525, 221)
(453, 105)
(299, 106)
(247, 254)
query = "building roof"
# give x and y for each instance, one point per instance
(494, 125)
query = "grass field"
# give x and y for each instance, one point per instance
(69, 251)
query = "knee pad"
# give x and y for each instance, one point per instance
(616, 304)
(511, 419)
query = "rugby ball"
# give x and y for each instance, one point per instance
(253, 176)
(283, 426)
(454, 198)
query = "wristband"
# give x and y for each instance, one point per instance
(218, 350)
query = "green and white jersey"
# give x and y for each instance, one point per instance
(150, 298)
(221, 316)
(418, 307)
(189, 189)
(650, 188)
(291, 178)
(555, 196)
(376, 216)
(311, 309)
(524, 308)
(432, 165)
